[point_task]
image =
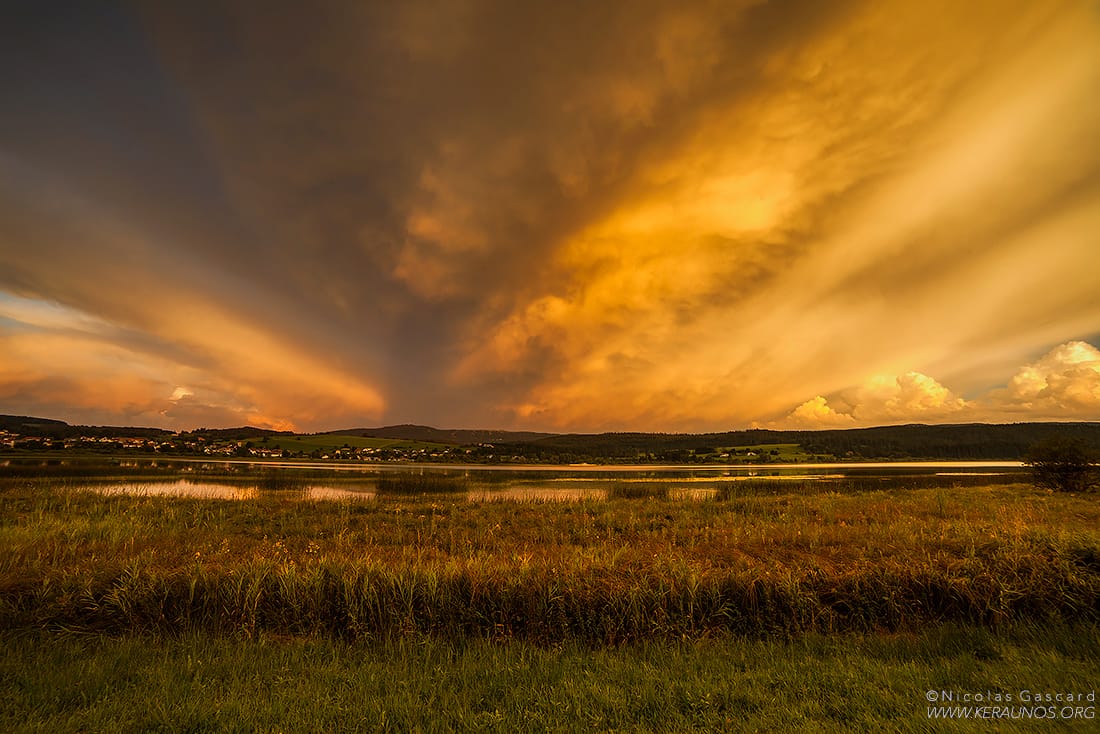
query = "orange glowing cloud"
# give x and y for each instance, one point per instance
(1064, 384)
(229, 373)
(908, 398)
(844, 227)
(690, 216)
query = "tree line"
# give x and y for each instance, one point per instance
(960, 442)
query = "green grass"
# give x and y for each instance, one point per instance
(798, 608)
(785, 452)
(847, 683)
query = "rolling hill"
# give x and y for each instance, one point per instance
(971, 441)
(455, 437)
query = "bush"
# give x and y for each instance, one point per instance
(1063, 464)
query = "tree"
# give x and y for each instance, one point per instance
(1064, 464)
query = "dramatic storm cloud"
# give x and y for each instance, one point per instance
(572, 216)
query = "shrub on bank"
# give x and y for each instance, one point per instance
(1064, 464)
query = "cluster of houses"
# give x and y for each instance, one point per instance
(16, 441)
(382, 454)
(8, 439)
(199, 445)
(177, 444)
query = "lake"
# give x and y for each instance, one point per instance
(240, 479)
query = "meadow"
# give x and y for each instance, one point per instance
(609, 614)
(331, 442)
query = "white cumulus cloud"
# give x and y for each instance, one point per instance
(1064, 384)
(912, 396)
(817, 413)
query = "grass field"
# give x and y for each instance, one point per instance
(598, 571)
(617, 614)
(792, 453)
(839, 683)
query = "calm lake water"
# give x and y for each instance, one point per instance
(321, 481)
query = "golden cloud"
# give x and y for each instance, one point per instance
(912, 397)
(847, 225)
(235, 372)
(666, 216)
(1064, 384)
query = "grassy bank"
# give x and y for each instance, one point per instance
(596, 572)
(71, 683)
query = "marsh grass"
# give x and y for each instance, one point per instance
(406, 484)
(595, 572)
(282, 481)
(777, 484)
(638, 491)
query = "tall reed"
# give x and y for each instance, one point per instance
(768, 565)
(400, 484)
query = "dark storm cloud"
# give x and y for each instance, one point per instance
(407, 168)
(477, 213)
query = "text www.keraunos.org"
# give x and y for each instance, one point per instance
(1020, 705)
(1012, 712)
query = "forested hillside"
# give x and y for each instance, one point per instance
(972, 441)
(976, 441)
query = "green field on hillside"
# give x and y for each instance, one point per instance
(792, 453)
(331, 442)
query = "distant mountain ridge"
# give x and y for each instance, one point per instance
(240, 433)
(31, 426)
(18, 423)
(26, 425)
(455, 436)
(969, 441)
(48, 427)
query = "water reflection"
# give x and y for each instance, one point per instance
(177, 488)
(538, 493)
(222, 491)
(315, 481)
(337, 493)
(353, 492)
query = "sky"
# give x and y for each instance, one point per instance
(563, 216)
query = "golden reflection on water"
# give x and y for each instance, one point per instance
(179, 488)
(535, 493)
(494, 485)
